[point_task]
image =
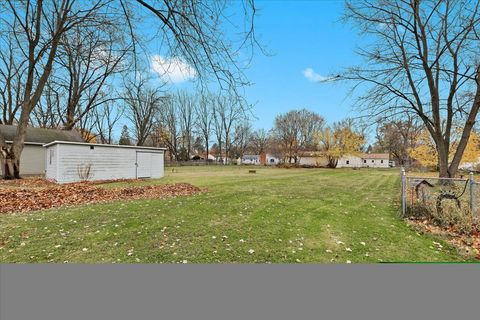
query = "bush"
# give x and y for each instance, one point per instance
(459, 219)
(421, 210)
(452, 216)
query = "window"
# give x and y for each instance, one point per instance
(347, 162)
(373, 161)
(381, 161)
(92, 147)
(364, 161)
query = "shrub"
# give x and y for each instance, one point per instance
(459, 219)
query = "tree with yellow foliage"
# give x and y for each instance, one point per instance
(339, 140)
(426, 153)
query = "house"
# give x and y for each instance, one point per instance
(376, 160)
(260, 159)
(32, 159)
(269, 159)
(76, 161)
(250, 159)
(312, 158)
(369, 160)
(350, 161)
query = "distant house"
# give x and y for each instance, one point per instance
(32, 160)
(270, 160)
(250, 159)
(350, 161)
(362, 160)
(259, 159)
(312, 158)
(376, 160)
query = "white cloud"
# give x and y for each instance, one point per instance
(311, 75)
(173, 70)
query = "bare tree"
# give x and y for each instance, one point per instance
(168, 129)
(260, 141)
(204, 118)
(12, 68)
(142, 104)
(227, 112)
(106, 118)
(424, 61)
(397, 137)
(38, 28)
(242, 138)
(295, 131)
(186, 107)
(194, 32)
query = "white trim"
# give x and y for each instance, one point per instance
(101, 145)
(26, 142)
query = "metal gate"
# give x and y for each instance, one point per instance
(418, 192)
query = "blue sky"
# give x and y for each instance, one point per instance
(301, 34)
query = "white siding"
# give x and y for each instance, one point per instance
(157, 165)
(105, 162)
(376, 163)
(350, 162)
(51, 162)
(32, 160)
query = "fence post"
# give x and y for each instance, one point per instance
(404, 193)
(472, 185)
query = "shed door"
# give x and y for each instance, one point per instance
(144, 164)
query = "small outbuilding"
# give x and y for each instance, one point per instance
(32, 160)
(74, 161)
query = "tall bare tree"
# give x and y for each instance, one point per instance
(186, 107)
(12, 68)
(397, 137)
(37, 27)
(142, 104)
(295, 131)
(204, 119)
(260, 141)
(228, 111)
(423, 60)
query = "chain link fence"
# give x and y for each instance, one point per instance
(434, 196)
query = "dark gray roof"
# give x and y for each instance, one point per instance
(41, 135)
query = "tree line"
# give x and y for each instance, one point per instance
(62, 61)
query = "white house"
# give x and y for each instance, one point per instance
(250, 159)
(376, 160)
(32, 159)
(372, 160)
(270, 159)
(350, 161)
(74, 161)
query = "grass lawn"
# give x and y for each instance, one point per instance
(276, 215)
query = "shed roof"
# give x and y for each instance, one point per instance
(40, 135)
(101, 145)
(375, 156)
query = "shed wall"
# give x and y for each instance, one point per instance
(104, 163)
(32, 160)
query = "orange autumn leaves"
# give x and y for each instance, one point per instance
(425, 152)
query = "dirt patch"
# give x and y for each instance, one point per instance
(54, 196)
(467, 244)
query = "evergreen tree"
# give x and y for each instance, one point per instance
(125, 137)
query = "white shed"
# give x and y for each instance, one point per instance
(75, 161)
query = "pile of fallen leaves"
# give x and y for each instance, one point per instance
(26, 183)
(53, 196)
(468, 244)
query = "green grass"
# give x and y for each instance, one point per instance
(275, 215)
